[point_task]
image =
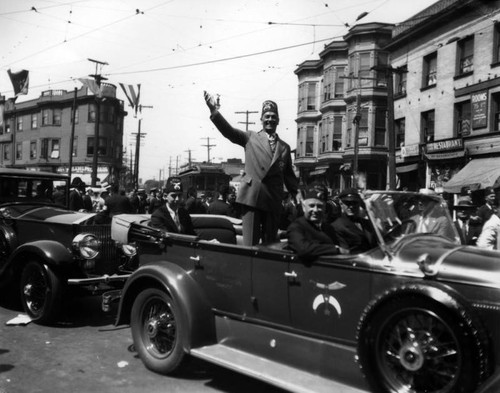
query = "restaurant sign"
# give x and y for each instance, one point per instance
(410, 150)
(448, 144)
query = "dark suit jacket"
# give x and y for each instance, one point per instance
(472, 234)
(219, 207)
(162, 219)
(75, 200)
(118, 204)
(353, 238)
(261, 186)
(485, 212)
(309, 242)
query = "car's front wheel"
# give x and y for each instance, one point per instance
(158, 331)
(41, 292)
(415, 345)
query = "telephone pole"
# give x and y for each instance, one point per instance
(98, 78)
(138, 146)
(247, 114)
(189, 156)
(208, 146)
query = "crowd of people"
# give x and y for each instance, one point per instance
(314, 222)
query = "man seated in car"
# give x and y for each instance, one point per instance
(171, 217)
(309, 235)
(353, 230)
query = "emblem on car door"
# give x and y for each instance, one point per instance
(326, 299)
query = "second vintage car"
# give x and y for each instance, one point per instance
(47, 251)
(417, 313)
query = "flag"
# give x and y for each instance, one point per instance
(132, 98)
(91, 85)
(20, 81)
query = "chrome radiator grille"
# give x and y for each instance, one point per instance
(107, 262)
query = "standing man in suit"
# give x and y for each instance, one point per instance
(468, 230)
(352, 229)
(268, 168)
(171, 217)
(309, 235)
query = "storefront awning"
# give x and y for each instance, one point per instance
(407, 168)
(477, 174)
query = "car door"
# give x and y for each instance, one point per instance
(270, 286)
(328, 296)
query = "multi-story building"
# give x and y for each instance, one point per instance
(447, 99)
(37, 133)
(342, 109)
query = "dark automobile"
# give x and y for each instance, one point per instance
(417, 313)
(47, 251)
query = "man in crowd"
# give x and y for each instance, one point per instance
(353, 230)
(76, 194)
(220, 205)
(268, 168)
(309, 235)
(467, 229)
(117, 202)
(489, 237)
(194, 205)
(154, 202)
(489, 207)
(171, 217)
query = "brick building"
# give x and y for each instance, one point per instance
(37, 133)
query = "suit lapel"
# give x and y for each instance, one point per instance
(264, 142)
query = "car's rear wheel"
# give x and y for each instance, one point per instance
(415, 345)
(158, 331)
(41, 292)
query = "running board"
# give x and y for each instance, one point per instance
(274, 373)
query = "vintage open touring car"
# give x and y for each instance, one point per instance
(48, 251)
(417, 313)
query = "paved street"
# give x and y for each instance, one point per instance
(86, 353)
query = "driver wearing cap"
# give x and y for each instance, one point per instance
(353, 230)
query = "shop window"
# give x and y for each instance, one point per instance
(427, 121)
(399, 130)
(496, 111)
(463, 118)
(430, 70)
(465, 51)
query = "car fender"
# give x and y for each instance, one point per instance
(51, 252)
(447, 297)
(196, 311)
(9, 235)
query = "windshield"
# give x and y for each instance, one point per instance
(398, 214)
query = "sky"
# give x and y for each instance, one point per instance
(245, 51)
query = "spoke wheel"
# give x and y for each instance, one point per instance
(158, 331)
(40, 292)
(415, 345)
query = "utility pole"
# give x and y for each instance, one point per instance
(246, 122)
(138, 146)
(208, 146)
(98, 78)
